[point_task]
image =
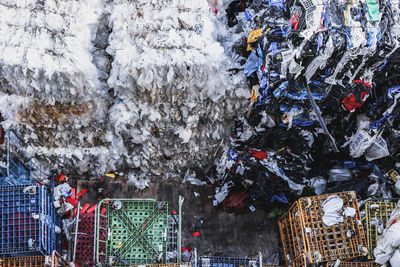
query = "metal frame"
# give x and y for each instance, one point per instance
(27, 220)
(22, 171)
(214, 261)
(174, 235)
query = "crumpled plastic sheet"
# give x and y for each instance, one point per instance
(331, 206)
(334, 211)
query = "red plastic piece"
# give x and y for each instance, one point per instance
(72, 201)
(103, 210)
(60, 178)
(196, 234)
(294, 21)
(73, 192)
(258, 154)
(82, 192)
(87, 205)
(350, 103)
(91, 209)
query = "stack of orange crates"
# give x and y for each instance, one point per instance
(305, 236)
(352, 264)
(35, 261)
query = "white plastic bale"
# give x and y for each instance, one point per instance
(45, 49)
(173, 95)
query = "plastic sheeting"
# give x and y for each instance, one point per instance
(141, 87)
(45, 49)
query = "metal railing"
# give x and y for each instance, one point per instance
(19, 169)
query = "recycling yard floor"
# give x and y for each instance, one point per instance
(223, 234)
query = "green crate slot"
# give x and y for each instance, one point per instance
(382, 211)
(137, 233)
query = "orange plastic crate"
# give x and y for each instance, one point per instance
(36, 261)
(352, 264)
(302, 231)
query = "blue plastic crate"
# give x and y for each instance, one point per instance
(28, 220)
(212, 261)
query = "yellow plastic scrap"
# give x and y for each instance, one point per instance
(393, 175)
(253, 37)
(254, 96)
(254, 93)
(112, 175)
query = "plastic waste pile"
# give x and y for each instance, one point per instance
(140, 87)
(45, 49)
(323, 113)
(388, 248)
(172, 88)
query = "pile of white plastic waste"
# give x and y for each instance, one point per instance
(136, 86)
(45, 49)
(388, 248)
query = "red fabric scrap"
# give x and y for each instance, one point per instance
(258, 154)
(294, 21)
(350, 103)
(196, 234)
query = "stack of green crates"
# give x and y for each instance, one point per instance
(135, 233)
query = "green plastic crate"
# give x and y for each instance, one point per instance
(134, 234)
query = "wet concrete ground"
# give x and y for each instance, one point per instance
(223, 234)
